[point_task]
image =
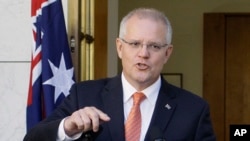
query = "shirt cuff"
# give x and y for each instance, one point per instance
(61, 135)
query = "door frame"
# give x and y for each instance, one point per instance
(100, 38)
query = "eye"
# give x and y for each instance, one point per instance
(135, 44)
(154, 46)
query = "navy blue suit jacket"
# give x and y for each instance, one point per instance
(178, 116)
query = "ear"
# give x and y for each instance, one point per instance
(119, 47)
(168, 52)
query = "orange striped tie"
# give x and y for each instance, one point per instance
(133, 123)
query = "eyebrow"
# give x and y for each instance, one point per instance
(135, 40)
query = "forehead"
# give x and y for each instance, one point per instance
(146, 29)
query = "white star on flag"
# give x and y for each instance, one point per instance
(62, 78)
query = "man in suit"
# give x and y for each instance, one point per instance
(99, 110)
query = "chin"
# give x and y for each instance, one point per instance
(143, 78)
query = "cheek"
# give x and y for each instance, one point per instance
(126, 54)
(161, 60)
(127, 57)
(119, 52)
(165, 60)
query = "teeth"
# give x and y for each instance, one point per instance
(142, 66)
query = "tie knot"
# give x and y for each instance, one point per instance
(138, 97)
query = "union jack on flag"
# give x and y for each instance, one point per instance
(52, 73)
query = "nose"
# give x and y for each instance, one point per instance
(143, 51)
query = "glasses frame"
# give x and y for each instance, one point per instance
(153, 46)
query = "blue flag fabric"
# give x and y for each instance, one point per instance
(52, 73)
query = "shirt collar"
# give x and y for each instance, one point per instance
(150, 92)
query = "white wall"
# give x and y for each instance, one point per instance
(15, 43)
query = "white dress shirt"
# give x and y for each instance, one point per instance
(147, 108)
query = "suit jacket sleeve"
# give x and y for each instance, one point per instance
(205, 130)
(47, 129)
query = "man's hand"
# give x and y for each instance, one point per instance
(83, 120)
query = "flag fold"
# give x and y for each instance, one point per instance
(52, 73)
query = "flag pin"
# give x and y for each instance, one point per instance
(168, 106)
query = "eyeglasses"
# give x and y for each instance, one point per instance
(155, 47)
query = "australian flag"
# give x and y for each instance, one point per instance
(52, 73)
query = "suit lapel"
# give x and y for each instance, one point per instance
(164, 109)
(113, 104)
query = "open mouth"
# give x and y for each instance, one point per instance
(142, 66)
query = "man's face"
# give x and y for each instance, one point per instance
(142, 60)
